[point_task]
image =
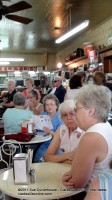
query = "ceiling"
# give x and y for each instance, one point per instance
(51, 19)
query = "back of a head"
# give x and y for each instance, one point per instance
(75, 81)
(19, 99)
(82, 74)
(99, 78)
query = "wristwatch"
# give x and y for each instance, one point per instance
(42, 159)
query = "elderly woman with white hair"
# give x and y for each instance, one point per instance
(68, 136)
(94, 152)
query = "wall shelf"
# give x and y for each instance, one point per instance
(104, 53)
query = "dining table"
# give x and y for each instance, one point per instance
(48, 183)
(38, 138)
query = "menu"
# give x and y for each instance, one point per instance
(41, 121)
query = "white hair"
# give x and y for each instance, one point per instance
(66, 105)
(58, 78)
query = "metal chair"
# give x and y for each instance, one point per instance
(7, 150)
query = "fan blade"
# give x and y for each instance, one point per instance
(20, 19)
(22, 5)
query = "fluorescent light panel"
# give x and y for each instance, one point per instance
(12, 59)
(73, 31)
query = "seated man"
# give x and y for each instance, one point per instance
(68, 136)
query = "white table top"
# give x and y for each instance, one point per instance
(48, 183)
(39, 138)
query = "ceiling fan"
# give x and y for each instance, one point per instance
(6, 10)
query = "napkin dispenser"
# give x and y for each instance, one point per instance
(21, 168)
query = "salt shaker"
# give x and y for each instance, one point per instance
(30, 127)
(32, 176)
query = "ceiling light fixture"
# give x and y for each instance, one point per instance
(59, 65)
(73, 31)
(4, 63)
(12, 59)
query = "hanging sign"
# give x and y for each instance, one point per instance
(10, 68)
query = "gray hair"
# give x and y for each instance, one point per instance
(19, 99)
(95, 96)
(11, 81)
(52, 97)
(66, 105)
(58, 78)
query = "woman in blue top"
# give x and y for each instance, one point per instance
(51, 104)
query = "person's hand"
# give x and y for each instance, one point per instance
(11, 104)
(66, 180)
(46, 130)
(31, 104)
(4, 99)
(71, 155)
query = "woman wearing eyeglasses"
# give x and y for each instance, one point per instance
(94, 152)
(51, 104)
(68, 136)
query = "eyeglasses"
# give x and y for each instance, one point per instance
(76, 109)
(65, 115)
(51, 104)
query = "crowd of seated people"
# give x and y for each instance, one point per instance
(81, 134)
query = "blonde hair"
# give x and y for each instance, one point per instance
(31, 80)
